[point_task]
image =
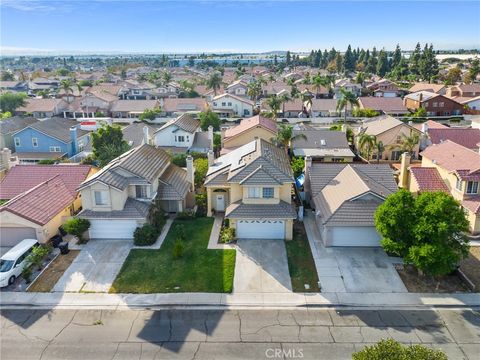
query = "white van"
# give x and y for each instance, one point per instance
(13, 262)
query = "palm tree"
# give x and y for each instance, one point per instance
(319, 81)
(214, 82)
(254, 90)
(45, 94)
(409, 142)
(367, 143)
(67, 86)
(274, 104)
(380, 149)
(186, 86)
(307, 101)
(347, 98)
(285, 137)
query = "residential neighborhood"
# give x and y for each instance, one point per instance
(317, 201)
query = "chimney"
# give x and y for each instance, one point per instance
(306, 183)
(145, 135)
(425, 127)
(211, 158)
(191, 172)
(5, 156)
(210, 136)
(404, 170)
(74, 139)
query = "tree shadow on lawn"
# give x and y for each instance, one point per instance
(198, 270)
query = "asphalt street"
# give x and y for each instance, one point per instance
(243, 334)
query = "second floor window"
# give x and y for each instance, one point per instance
(34, 142)
(253, 193)
(101, 198)
(268, 193)
(141, 191)
(472, 187)
(180, 138)
(55, 149)
(458, 184)
(17, 142)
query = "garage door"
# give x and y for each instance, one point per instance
(112, 229)
(260, 229)
(11, 236)
(354, 236)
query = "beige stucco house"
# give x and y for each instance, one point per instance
(252, 185)
(256, 127)
(117, 199)
(390, 131)
(448, 167)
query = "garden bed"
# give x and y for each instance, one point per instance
(416, 283)
(49, 277)
(300, 261)
(198, 270)
(471, 267)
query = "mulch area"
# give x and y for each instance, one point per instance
(416, 283)
(471, 266)
(47, 280)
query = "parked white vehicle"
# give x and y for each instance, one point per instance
(13, 262)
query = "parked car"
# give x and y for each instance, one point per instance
(13, 262)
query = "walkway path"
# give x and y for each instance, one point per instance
(215, 235)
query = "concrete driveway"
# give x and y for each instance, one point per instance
(353, 269)
(96, 267)
(261, 267)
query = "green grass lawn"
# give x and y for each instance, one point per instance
(199, 270)
(300, 261)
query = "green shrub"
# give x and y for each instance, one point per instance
(228, 235)
(178, 249)
(185, 215)
(156, 216)
(27, 274)
(180, 160)
(201, 201)
(77, 227)
(180, 232)
(46, 162)
(226, 223)
(37, 255)
(145, 235)
(392, 350)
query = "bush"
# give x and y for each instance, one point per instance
(27, 274)
(180, 160)
(180, 232)
(77, 227)
(185, 215)
(228, 235)
(37, 255)
(357, 112)
(178, 249)
(145, 235)
(298, 165)
(392, 350)
(156, 216)
(46, 162)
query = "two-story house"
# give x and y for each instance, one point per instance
(451, 166)
(10, 126)
(391, 132)
(239, 88)
(117, 199)
(384, 88)
(177, 134)
(348, 85)
(53, 139)
(252, 185)
(433, 103)
(256, 127)
(229, 105)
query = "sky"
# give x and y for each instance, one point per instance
(158, 26)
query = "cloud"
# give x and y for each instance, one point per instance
(38, 5)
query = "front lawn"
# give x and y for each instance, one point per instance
(199, 270)
(300, 261)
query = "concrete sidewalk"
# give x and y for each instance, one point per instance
(267, 300)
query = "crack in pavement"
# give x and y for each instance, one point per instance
(61, 330)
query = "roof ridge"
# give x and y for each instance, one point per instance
(373, 180)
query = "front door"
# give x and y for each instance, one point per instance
(220, 203)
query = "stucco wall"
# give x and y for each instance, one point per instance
(389, 138)
(248, 136)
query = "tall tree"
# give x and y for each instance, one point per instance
(214, 82)
(367, 143)
(428, 63)
(288, 58)
(274, 104)
(209, 118)
(349, 61)
(108, 143)
(9, 102)
(372, 62)
(285, 137)
(346, 98)
(397, 56)
(382, 65)
(67, 86)
(415, 60)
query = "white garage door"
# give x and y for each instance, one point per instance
(11, 236)
(260, 229)
(354, 236)
(112, 229)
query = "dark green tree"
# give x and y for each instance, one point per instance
(382, 64)
(288, 58)
(208, 118)
(397, 56)
(349, 60)
(415, 60)
(108, 143)
(9, 102)
(428, 63)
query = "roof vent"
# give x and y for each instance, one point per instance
(323, 142)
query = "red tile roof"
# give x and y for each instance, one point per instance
(22, 178)
(428, 179)
(430, 125)
(250, 123)
(455, 158)
(43, 202)
(470, 138)
(472, 204)
(385, 104)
